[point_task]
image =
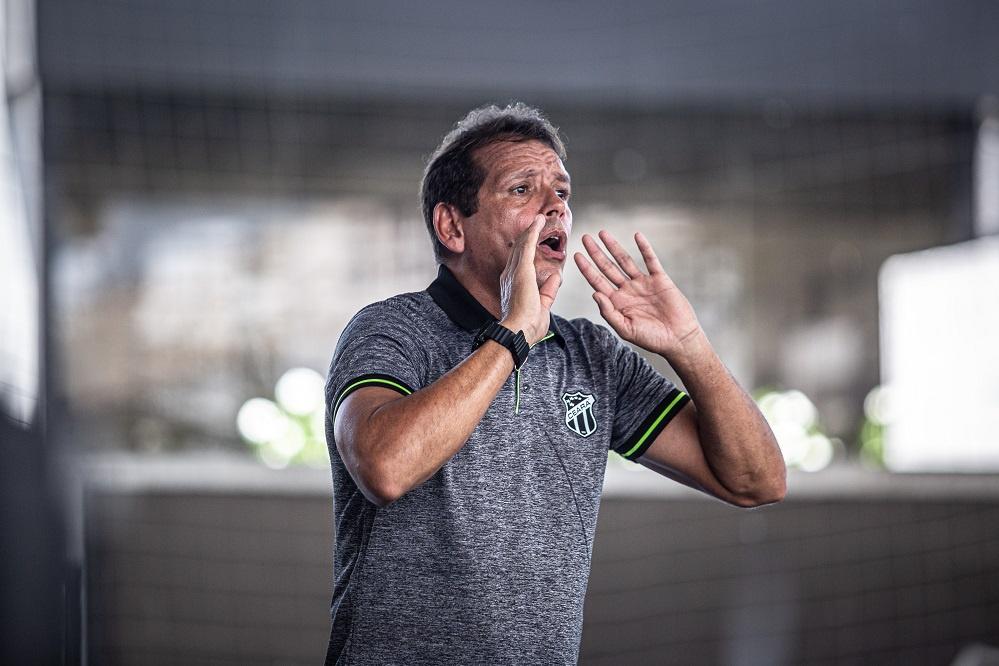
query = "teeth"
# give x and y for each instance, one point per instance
(553, 241)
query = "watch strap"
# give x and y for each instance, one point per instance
(515, 342)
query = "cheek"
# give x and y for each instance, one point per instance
(516, 224)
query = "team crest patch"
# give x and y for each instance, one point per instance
(579, 413)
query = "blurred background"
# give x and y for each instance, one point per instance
(197, 196)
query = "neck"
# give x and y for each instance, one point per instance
(486, 292)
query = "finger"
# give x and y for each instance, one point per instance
(550, 289)
(522, 244)
(607, 310)
(524, 247)
(606, 266)
(648, 254)
(529, 241)
(620, 255)
(592, 275)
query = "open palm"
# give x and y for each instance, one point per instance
(646, 310)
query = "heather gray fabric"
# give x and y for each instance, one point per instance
(487, 561)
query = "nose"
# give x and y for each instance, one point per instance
(554, 206)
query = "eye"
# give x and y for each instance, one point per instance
(519, 189)
(563, 194)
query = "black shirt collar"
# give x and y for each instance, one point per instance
(462, 308)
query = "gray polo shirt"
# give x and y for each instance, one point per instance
(487, 561)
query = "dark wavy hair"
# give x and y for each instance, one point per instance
(453, 175)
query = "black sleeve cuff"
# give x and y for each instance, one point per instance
(372, 379)
(646, 433)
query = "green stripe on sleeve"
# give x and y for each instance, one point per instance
(646, 438)
(371, 380)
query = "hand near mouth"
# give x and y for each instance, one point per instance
(646, 310)
(526, 306)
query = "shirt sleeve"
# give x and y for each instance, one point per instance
(375, 349)
(646, 400)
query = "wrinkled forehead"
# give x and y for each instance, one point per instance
(505, 157)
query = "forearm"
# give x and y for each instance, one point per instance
(737, 441)
(410, 438)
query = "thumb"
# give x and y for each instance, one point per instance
(549, 289)
(530, 241)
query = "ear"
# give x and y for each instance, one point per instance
(449, 225)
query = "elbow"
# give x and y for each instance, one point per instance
(376, 493)
(372, 477)
(769, 492)
(378, 486)
(760, 499)
(360, 440)
(380, 499)
(385, 495)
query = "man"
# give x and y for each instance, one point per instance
(468, 427)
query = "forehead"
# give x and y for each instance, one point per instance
(505, 158)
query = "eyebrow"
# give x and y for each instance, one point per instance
(561, 176)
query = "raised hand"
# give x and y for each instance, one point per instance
(646, 310)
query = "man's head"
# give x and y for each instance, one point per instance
(487, 181)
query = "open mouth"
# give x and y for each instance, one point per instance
(553, 243)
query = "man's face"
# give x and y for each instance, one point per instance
(524, 179)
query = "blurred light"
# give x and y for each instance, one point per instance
(939, 317)
(766, 404)
(300, 391)
(19, 297)
(793, 441)
(292, 428)
(878, 405)
(318, 423)
(259, 420)
(290, 442)
(793, 419)
(818, 453)
(788, 406)
(795, 406)
(271, 458)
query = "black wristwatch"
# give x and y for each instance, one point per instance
(515, 342)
